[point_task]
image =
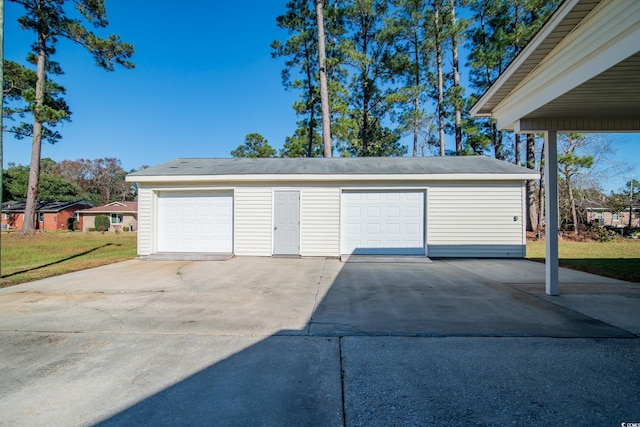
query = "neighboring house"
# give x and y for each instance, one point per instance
(468, 206)
(606, 218)
(121, 214)
(49, 215)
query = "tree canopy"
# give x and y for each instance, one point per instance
(98, 181)
(50, 21)
(393, 69)
(254, 146)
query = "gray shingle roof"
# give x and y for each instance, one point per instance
(336, 166)
(45, 206)
(114, 207)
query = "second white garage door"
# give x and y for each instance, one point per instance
(200, 222)
(383, 222)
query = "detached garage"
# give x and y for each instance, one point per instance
(430, 206)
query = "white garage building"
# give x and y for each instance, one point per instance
(429, 206)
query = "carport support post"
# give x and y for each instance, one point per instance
(551, 214)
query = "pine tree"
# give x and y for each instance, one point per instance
(456, 96)
(51, 20)
(301, 66)
(409, 65)
(255, 145)
(324, 90)
(19, 97)
(570, 161)
(366, 51)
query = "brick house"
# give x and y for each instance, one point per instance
(121, 214)
(49, 215)
(606, 218)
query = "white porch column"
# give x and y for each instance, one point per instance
(551, 211)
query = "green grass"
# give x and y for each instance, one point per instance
(619, 259)
(28, 258)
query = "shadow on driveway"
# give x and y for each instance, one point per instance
(414, 344)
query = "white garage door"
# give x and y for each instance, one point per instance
(383, 222)
(195, 222)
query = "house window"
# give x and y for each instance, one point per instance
(116, 218)
(7, 216)
(616, 217)
(40, 217)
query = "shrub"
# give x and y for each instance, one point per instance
(102, 223)
(600, 234)
(125, 228)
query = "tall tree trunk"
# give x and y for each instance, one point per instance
(497, 142)
(416, 100)
(324, 91)
(456, 78)
(541, 194)
(28, 226)
(630, 204)
(365, 92)
(532, 212)
(438, 46)
(310, 103)
(572, 201)
(518, 148)
(416, 126)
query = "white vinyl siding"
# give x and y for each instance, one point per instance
(476, 220)
(320, 221)
(145, 223)
(253, 221)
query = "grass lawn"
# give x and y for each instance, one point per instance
(619, 259)
(28, 258)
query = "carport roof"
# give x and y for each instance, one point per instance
(361, 166)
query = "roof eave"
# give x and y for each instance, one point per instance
(525, 175)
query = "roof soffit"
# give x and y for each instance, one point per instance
(561, 23)
(588, 82)
(594, 66)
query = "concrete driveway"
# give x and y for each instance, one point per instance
(276, 341)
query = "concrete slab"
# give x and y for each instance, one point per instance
(132, 379)
(239, 297)
(521, 271)
(490, 381)
(615, 305)
(265, 341)
(441, 299)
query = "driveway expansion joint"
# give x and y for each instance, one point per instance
(344, 413)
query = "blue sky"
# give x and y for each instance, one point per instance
(204, 79)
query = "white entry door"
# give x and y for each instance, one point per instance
(199, 222)
(286, 233)
(383, 222)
